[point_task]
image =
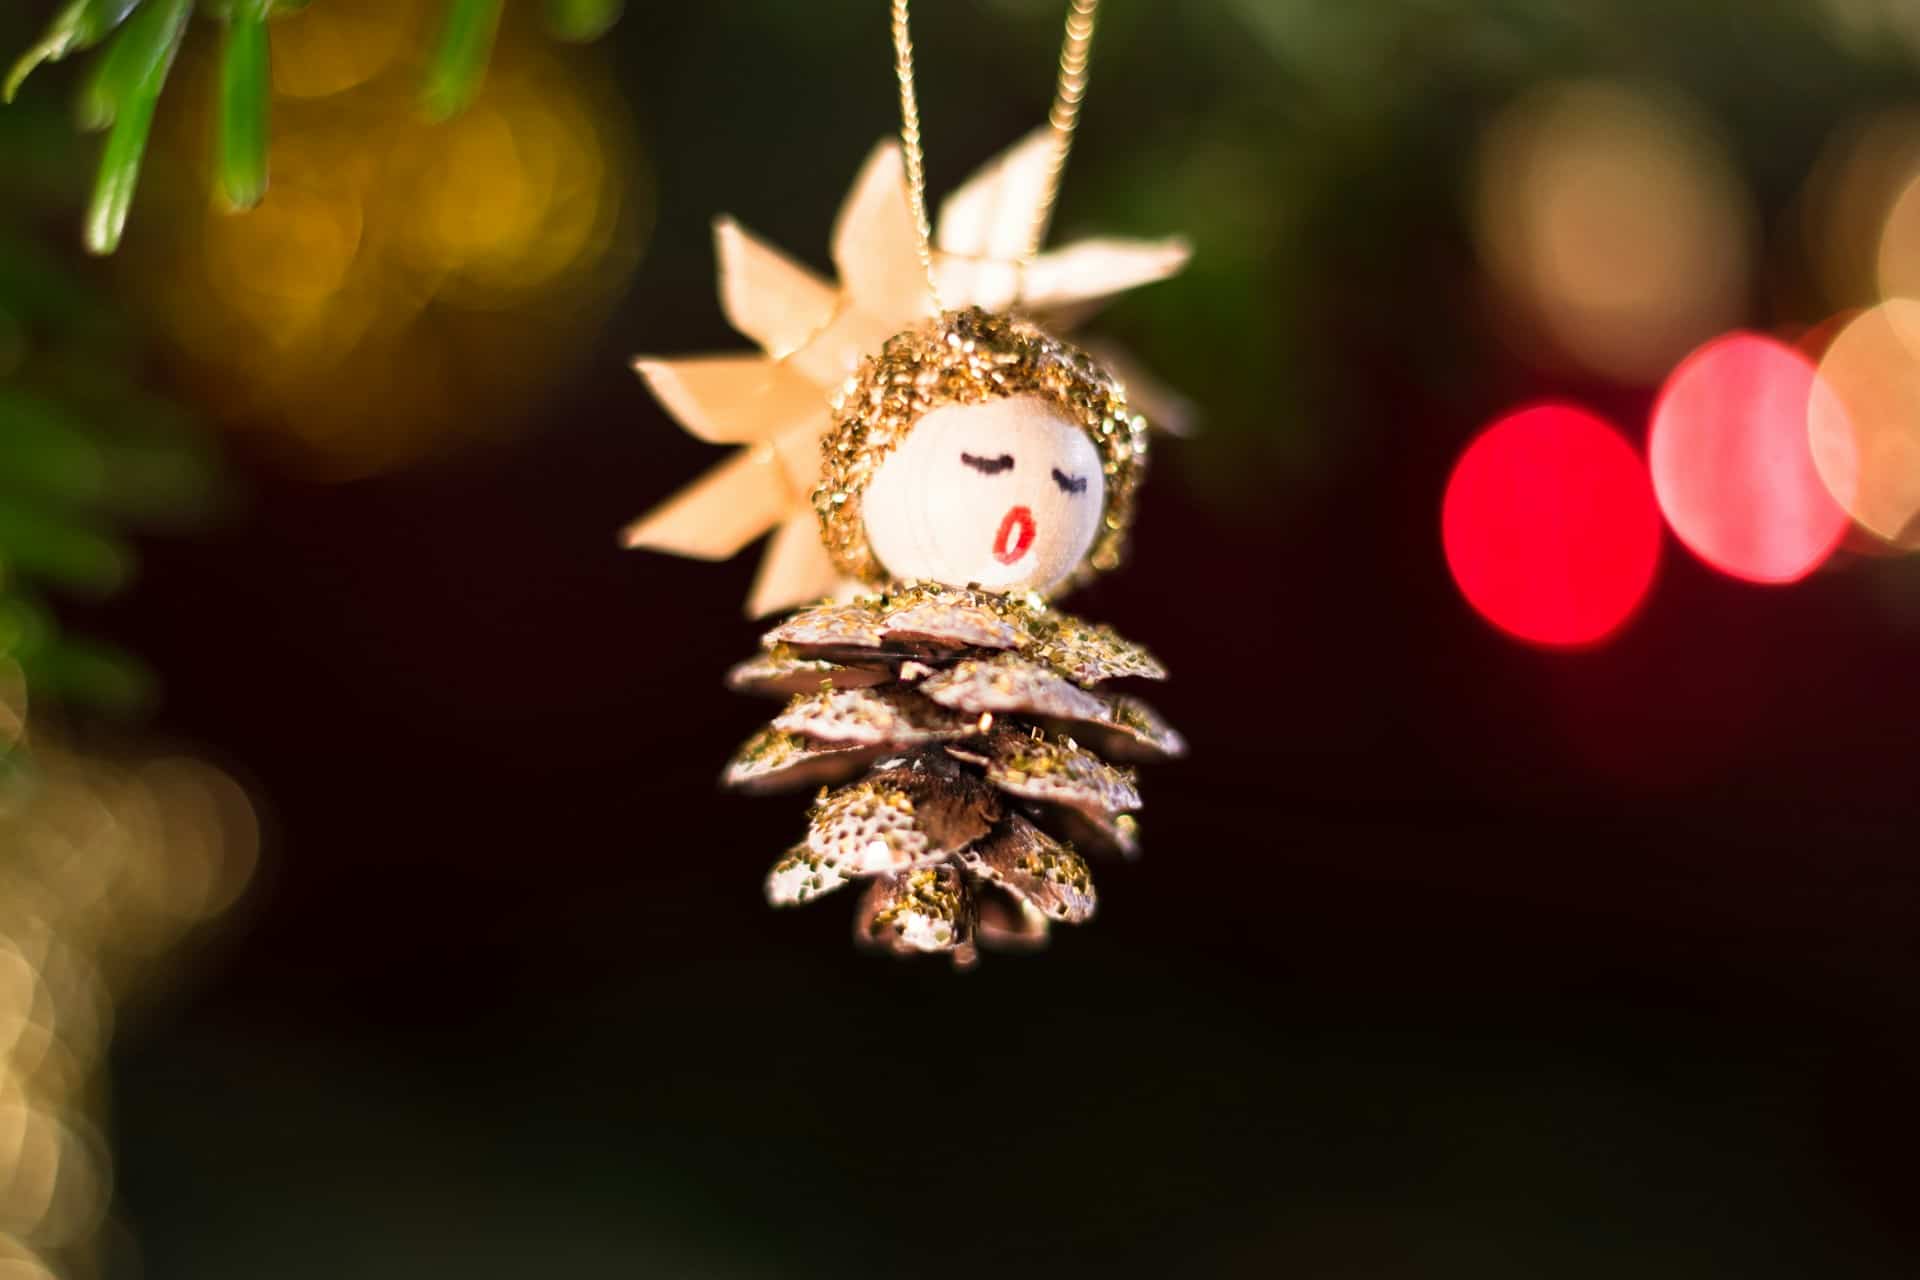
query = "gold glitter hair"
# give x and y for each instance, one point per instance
(969, 357)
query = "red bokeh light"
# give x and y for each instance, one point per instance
(1550, 527)
(1732, 466)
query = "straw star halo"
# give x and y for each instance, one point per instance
(776, 405)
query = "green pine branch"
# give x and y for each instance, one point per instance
(123, 87)
(85, 453)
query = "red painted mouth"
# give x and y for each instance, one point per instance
(1015, 536)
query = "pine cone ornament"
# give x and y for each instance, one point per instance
(931, 477)
(969, 735)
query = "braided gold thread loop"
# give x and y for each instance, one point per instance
(1063, 118)
(910, 142)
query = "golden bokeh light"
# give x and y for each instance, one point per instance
(1897, 267)
(357, 41)
(1844, 209)
(17, 1262)
(405, 286)
(104, 868)
(279, 270)
(1612, 219)
(52, 1174)
(1866, 435)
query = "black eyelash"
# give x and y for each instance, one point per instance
(1069, 484)
(990, 466)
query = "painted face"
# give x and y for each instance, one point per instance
(1006, 495)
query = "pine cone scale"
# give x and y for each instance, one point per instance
(962, 708)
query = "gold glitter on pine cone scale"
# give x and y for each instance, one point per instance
(971, 357)
(978, 723)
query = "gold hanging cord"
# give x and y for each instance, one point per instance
(1062, 120)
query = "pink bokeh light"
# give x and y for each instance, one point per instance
(1550, 528)
(1732, 467)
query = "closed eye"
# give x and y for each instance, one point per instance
(1069, 484)
(990, 466)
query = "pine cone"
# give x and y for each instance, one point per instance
(978, 728)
